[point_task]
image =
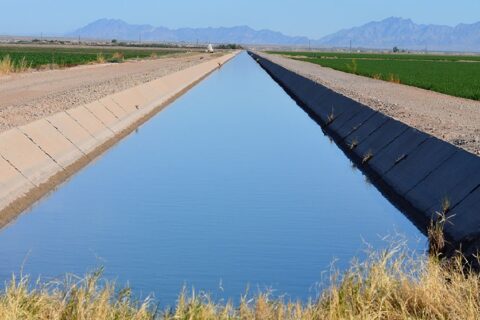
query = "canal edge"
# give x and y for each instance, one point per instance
(39, 156)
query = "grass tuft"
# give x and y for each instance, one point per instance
(353, 144)
(6, 65)
(100, 58)
(394, 78)
(367, 156)
(331, 116)
(117, 57)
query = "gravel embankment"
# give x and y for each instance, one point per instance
(30, 96)
(452, 119)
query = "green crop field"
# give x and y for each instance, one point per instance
(37, 56)
(455, 75)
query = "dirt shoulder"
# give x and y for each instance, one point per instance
(26, 97)
(452, 119)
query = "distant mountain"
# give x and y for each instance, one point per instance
(404, 33)
(118, 29)
(385, 34)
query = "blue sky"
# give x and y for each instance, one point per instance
(313, 18)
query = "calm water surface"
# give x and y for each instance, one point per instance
(232, 186)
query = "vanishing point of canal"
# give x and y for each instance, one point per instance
(232, 186)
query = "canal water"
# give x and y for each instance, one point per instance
(231, 187)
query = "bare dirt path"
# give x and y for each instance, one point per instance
(452, 119)
(26, 97)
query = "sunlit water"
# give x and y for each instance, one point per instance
(232, 186)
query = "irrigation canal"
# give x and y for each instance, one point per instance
(232, 186)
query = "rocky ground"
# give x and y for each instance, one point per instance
(25, 97)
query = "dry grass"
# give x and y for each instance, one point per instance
(353, 144)
(117, 57)
(391, 284)
(6, 65)
(100, 58)
(393, 78)
(367, 156)
(331, 116)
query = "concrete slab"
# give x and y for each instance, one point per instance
(343, 129)
(464, 219)
(102, 113)
(453, 180)
(397, 150)
(152, 90)
(88, 121)
(130, 101)
(52, 142)
(113, 107)
(78, 135)
(12, 184)
(379, 139)
(365, 130)
(27, 157)
(422, 161)
(315, 96)
(338, 105)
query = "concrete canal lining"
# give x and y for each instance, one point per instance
(418, 172)
(36, 157)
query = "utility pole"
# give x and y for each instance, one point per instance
(350, 46)
(140, 38)
(309, 45)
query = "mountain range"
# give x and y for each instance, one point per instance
(385, 34)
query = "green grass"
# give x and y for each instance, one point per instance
(37, 57)
(453, 75)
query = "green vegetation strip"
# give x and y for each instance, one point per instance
(23, 57)
(454, 75)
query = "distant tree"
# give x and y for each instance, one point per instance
(395, 49)
(114, 41)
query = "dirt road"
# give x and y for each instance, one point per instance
(26, 97)
(452, 119)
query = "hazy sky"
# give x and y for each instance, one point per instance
(313, 18)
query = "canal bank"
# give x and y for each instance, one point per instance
(418, 172)
(37, 157)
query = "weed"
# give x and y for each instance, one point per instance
(22, 65)
(117, 57)
(353, 144)
(6, 65)
(393, 78)
(100, 58)
(367, 156)
(331, 116)
(353, 66)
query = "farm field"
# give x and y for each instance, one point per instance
(453, 75)
(20, 58)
